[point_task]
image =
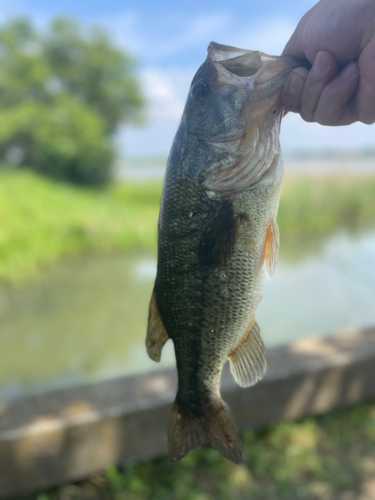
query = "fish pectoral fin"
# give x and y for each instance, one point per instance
(247, 361)
(272, 247)
(219, 237)
(157, 335)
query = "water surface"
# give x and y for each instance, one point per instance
(85, 319)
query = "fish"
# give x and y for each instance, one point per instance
(217, 234)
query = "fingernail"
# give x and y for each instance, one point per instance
(321, 65)
(295, 84)
(350, 71)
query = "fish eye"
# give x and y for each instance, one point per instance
(200, 89)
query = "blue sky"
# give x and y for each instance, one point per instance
(170, 39)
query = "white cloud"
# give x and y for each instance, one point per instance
(127, 31)
(194, 33)
(298, 135)
(268, 36)
(166, 92)
(165, 37)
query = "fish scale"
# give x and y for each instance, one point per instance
(217, 231)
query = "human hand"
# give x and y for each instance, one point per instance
(338, 38)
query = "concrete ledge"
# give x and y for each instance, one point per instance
(68, 434)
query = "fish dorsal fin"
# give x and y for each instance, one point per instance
(157, 335)
(247, 361)
(272, 247)
(219, 237)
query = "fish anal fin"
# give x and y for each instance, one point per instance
(272, 247)
(247, 361)
(188, 431)
(219, 237)
(157, 335)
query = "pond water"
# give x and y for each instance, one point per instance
(85, 319)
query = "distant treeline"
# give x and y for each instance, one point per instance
(330, 154)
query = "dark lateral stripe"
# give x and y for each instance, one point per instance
(218, 240)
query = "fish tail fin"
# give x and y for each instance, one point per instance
(187, 432)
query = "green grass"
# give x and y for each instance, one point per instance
(319, 205)
(41, 220)
(325, 458)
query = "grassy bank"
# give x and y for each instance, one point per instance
(40, 221)
(322, 204)
(324, 458)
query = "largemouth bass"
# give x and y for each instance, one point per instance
(217, 233)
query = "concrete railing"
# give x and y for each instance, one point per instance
(68, 434)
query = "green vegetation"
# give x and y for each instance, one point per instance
(41, 221)
(319, 205)
(323, 458)
(63, 92)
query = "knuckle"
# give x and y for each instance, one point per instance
(368, 120)
(325, 118)
(306, 117)
(326, 121)
(307, 114)
(311, 87)
(294, 108)
(366, 116)
(301, 72)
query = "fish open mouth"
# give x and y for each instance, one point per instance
(251, 69)
(252, 153)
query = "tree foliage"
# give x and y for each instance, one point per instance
(63, 92)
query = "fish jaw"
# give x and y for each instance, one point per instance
(247, 85)
(251, 69)
(251, 155)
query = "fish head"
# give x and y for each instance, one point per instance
(232, 116)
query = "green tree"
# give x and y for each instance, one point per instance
(63, 92)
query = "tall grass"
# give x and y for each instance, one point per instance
(40, 221)
(320, 204)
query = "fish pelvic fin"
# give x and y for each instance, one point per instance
(157, 335)
(271, 250)
(247, 361)
(187, 432)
